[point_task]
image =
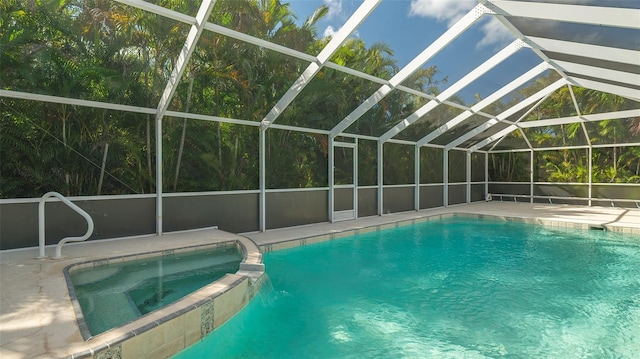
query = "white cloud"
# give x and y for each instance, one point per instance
(450, 11)
(329, 31)
(443, 10)
(335, 8)
(495, 34)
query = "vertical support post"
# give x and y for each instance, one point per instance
(158, 175)
(531, 174)
(174, 79)
(590, 151)
(380, 178)
(355, 180)
(468, 177)
(263, 200)
(445, 177)
(416, 178)
(331, 178)
(486, 176)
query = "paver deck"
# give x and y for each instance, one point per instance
(37, 319)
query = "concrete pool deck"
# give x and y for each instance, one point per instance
(37, 319)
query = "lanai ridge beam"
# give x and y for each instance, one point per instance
(336, 41)
(509, 112)
(505, 90)
(593, 15)
(485, 67)
(451, 34)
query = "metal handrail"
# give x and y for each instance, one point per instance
(41, 228)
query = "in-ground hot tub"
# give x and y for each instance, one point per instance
(163, 321)
(115, 292)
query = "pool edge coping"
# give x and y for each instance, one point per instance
(318, 238)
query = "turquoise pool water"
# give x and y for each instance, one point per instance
(114, 294)
(457, 288)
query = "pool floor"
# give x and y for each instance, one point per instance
(456, 288)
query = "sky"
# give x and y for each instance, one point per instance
(409, 26)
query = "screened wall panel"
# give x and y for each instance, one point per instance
(286, 209)
(509, 188)
(235, 213)
(457, 166)
(615, 192)
(478, 167)
(431, 169)
(510, 167)
(561, 190)
(367, 163)
(457, 194)
(477, 192)
(398, 164)
(296, 159)
(569, 166)
(367, 202)
(211, 156)
(74, 150)
(616, 165)
(431, 196)
(398, 199)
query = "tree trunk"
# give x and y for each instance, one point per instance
(182, 137)
(102, 168)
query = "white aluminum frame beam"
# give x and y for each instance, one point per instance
(159, 10)
(505, 90)
(588, 118)
(512, 110)
(633, 94)
(469, 78)
(307, 75)
(75, 102)
(594, 15)
(451, 34)
(599, 72)
(174, 79)
(584, 50)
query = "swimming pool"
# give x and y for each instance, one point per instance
(453, 288)
(117, 291)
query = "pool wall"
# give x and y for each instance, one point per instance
(166, 331)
